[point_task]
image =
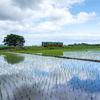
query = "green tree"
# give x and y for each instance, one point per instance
(14, 40)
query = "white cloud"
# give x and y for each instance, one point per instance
(26, 4)
(62, 17)
(10, 26)
(46, 27)
(84, 76)
(56, 17)
(42, 17)
(73, 1)
(66, 3)
(83, 17)
(67, 38)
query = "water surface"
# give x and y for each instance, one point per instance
(48, 78)
(89, 54)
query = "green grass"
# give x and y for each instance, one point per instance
(58, 51)
(44, 52)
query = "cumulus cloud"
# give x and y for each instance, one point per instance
(11, 10)
(13, 13)
(62, 17)
(46, 26)
(38, 16)
(26, 4)
(10, 26)
(83, 16)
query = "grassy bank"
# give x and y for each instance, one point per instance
(48, 50)
(39, 48)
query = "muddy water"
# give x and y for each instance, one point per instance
(47, 78)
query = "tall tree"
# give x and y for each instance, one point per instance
(14, 40)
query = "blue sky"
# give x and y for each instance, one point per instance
(67, 21)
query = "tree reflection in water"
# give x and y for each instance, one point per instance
(12, 58)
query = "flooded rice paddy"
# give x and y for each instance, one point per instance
(93, 54)
(47, 78)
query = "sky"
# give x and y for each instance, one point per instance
(67, 21)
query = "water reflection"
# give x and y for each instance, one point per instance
(90, 54)
(51, 78)
(12, 58)
(41, 73)
(85, 85)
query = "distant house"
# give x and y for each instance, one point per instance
(45, 44)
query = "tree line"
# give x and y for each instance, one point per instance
(83, 44)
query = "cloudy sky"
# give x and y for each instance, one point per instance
(68, 21)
